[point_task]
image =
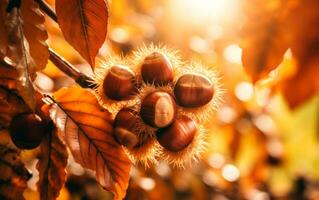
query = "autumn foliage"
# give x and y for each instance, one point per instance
(144, 107)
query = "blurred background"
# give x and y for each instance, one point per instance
(258, 147)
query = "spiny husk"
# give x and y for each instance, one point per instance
(100, 72)
(138, 56)
(147, 88)
(202, 114)
(190, 154)
(145, 154)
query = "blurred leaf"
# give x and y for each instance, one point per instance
(264, 38)
(303, 85)
(87, 130)
(304, 20)
(51, 166)
(35, 32)
(87, 33)
(13, 176)
(19, 53)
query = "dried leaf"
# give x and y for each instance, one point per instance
(35, 32)
(87, 130)
(19, 51)
(3, 34)
(87, 33)
(51, 166)
(264, 41)
(13, 176)
(8, 75)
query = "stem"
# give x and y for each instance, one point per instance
(46, 8)
(82, 79)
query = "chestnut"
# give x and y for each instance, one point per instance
(193, 90)
(124, 124)
(119, 83)
(27, 130)
(158, 109)
(178, 135)
(157, 69)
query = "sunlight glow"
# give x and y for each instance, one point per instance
(232, 53)
(147, 183)
(230, 173)
(244, 91)
(204, 10)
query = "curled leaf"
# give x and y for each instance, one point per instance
(51, 166)
(87, 130)
(19, 51)
(88, 32)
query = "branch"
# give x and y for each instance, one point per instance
(66, 67)
(46, 8)
(82, 79)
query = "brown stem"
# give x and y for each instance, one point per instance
(67, 68)
(47, 9)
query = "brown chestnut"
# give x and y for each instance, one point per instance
(124, 124)
(157, 69)
(193, 90)
(119, 83)
(178, 135)
(27, 130)
(158, 109)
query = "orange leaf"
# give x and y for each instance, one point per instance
(84, 25)
(51, 166)
(87, 130)
(303, 22)
(264, 41)
(35, 32)
(303, 85)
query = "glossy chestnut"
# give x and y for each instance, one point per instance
(124, 128)
(158, 109)
(119, 83)
(157, 69)
(178, 135)
(27, 130)
(193, 90)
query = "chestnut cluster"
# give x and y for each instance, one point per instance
(162, 98)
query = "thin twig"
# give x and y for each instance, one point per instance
(47, 9)
(82, 79)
